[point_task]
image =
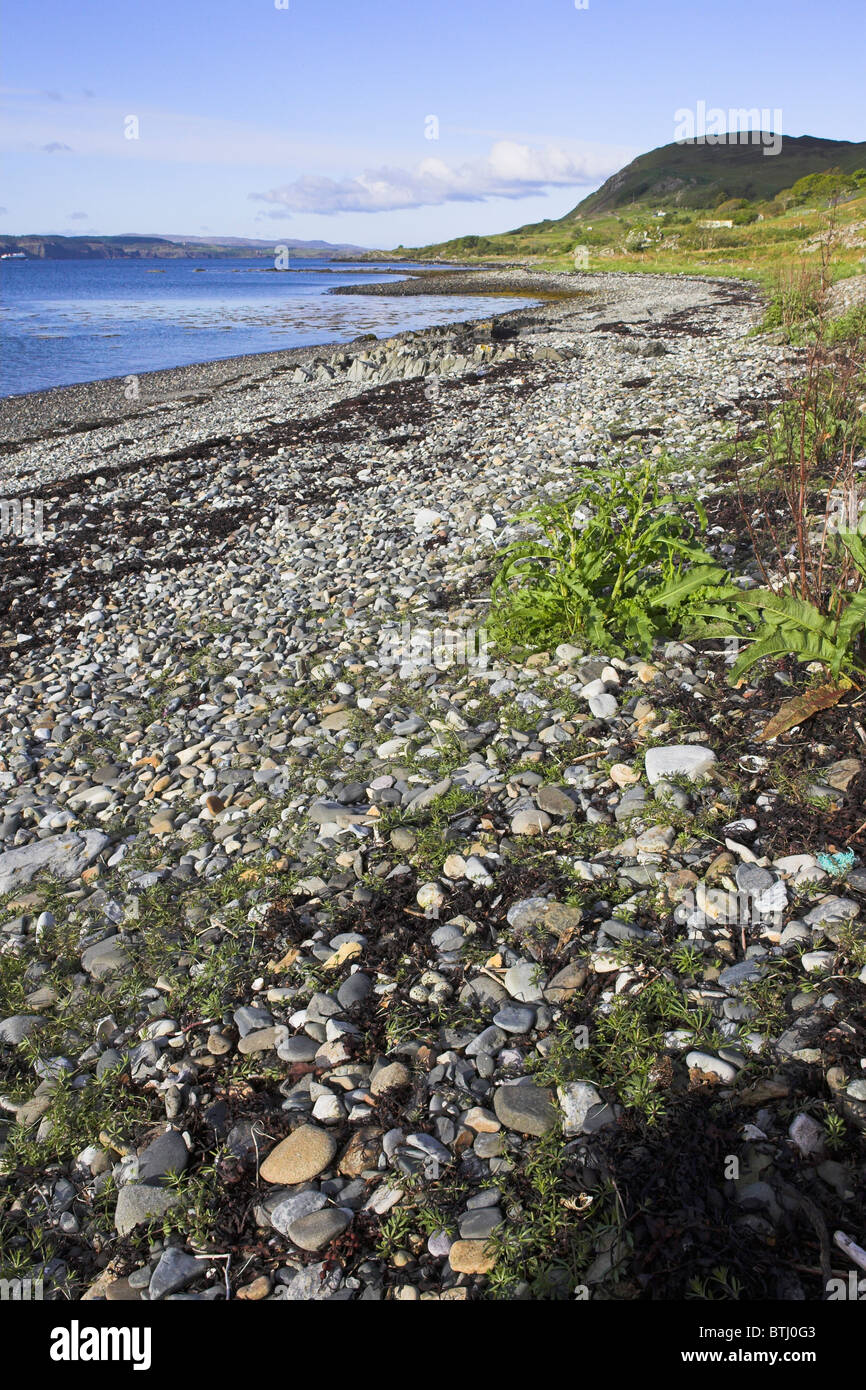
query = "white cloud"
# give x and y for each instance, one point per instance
(509, 170)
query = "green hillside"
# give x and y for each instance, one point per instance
(703, 209)
(698, 175)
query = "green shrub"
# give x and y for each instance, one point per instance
(610, 565)
(777, 625)
(849, 327)
(795, 299)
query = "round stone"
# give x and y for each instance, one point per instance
(555, 801)
(471, 1257)
(297, 1049)
(522, 982)
(514, 1019)
(603, 706)
(430, 895)
(137, 1204)
(711, 1066)
(530, 823)
(389, 1077)
(751, 878)
(439, 1243)
(287, 1212)
(307, 1152)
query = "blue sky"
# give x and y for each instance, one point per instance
(312, 121)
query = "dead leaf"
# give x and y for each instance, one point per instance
(286, 963)
(347, 951)
(802, 707)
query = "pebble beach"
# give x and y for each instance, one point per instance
(333, 968)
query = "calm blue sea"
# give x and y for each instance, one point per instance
(70, 321)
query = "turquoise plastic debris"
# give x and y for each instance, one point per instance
(838, 863)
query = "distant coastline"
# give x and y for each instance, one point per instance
(50, 247)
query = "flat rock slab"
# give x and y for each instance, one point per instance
(17, 1027)
(137, 1204)
(305, 1154)
(525, 1109)
(318, 1228)
(106, 958)
(64, 856)
(690, 760)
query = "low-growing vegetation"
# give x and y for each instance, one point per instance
(615, 563)
(619, 563)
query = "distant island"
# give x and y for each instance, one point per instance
(34, 246)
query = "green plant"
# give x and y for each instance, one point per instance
(611, 565)
(849, 327)
(835, 1127)
(795, 299)
(554, 1227)
(822, 617)
(395, 1230)
(717, 1285)
(685, 959)
(782, 625)
(807, 531)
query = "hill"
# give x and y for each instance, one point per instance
(726, 209)
(697, 175)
